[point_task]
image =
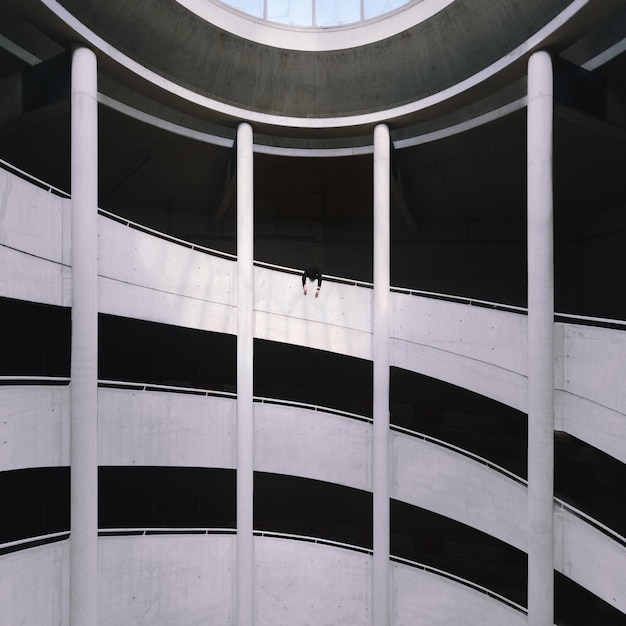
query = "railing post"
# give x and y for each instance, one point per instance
(84, 351)
(380, 356)
(540, 343)
(245, 406)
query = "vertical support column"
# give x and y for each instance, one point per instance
(84, 366)
(245, 407)
(540, 343)
(380, 355)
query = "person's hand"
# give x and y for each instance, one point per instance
(317, 292)
(304, 290)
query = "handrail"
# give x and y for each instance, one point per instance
(121, 384)
(161, 235)
(196, 391)
(312, 407)
(57, 380)
(459, 579)
(603, 321)
(21, 544)
(461, 451)
(310, 539)
(433, 295)
(170, 530)
(591, 521)
(37, 181)
(330, 278)
(326, 277)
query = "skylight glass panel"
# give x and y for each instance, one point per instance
(374, 8)
(292, 12)
(252, 7)
(337, 12)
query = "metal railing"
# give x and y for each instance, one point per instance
(194, 391)
(172, 530)
(583, 319)
(32, 542)
(33, 179)
(458, 579)
(34, 380)
(461, 451)
(605, 530)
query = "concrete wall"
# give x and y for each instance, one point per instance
(592, 559)
(157, 428)
(166, 580)
(34, 586)
(476, 348)
(591, 397)
(300, 583)
(34, 426)
(424, 599)
(338, 320)
(149, 278)
(313, 444)
(34, 243)
(441, 480)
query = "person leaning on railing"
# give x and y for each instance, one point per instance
(313, 273)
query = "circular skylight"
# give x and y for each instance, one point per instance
(316, 13)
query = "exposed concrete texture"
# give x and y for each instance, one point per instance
(34, 242)
(166, 580)
(165, 429)
(84, 341)
(471, 347)
(591, 558)
(440, 480)
(452, 45)
(590, 399)
(228, 78)
(302, 583)
(34, 427)
(424, 598)
(338, 320)
(34, 585)
(158, 276)
(313, 444)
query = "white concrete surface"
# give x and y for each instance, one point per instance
(165, 429)
(303, 584)
(540, 258)
(149, 278)
(591, 397)
(34, 243)
(424, 599)
(34, 426)
(437, 479)
(313, 444)
(167, 580)
(477, 348)
(34, 586)
(591, 558)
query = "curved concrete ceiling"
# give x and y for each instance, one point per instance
(455, 56)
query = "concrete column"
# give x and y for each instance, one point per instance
(245, 409)
(380, 352)
(84, 366)
(540, 343)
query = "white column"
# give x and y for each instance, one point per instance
(380, 352)
(84, 366)
(245, 409)
(540, 343)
